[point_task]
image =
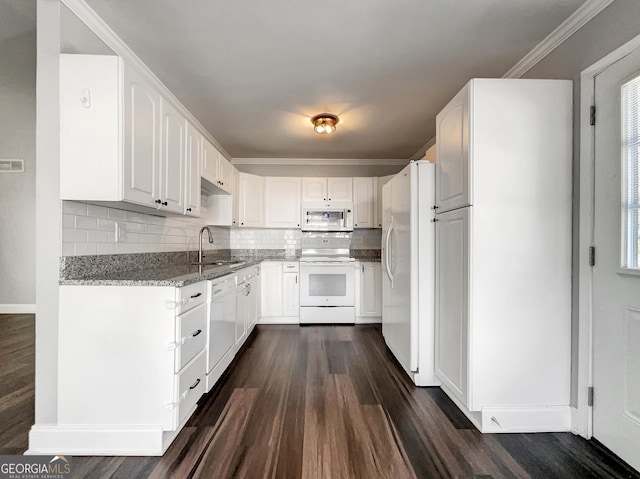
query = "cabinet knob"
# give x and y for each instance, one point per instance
(188, 209)
(435, 207)
(434, 220)
(164, 203)
(222, 183)
(241, 224)
(356, 224)
(324, 199)
(158, 201)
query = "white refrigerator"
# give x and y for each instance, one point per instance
(408, 265)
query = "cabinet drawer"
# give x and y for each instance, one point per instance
(290, 267)
(188, 297)
(191, 335)
(190, 385)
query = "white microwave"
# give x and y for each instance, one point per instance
(327, 218)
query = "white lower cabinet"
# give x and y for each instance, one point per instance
(280, 292)
(368, 292)
(131, 368)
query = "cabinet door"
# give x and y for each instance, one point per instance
(225, 174)
(452, 150)
(172, 161)
(253, 303)
(271, 288)
(210, 160)
(290, 294)
(340, 190)
(363, 203)
(452, 301)
(235, 197)
(141, 141)
(314, 190)
(380, 182)
(241, 313)
(282, 202)
(370, 289)
(194, 175)
(251, 201)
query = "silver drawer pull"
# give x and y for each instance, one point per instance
(195, 385)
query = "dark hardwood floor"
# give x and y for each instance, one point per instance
(314, 402)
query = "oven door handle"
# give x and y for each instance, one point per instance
(387, 243)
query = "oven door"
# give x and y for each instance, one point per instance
(327, 284)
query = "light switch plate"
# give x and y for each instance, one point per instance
(11, 166)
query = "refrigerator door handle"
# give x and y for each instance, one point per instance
(387, 243)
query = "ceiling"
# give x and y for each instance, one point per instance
(254, 72)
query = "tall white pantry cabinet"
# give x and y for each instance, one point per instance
(503, 253)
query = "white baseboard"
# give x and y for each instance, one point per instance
(368, 320)
(517, 419)
(17, 308)
(279, 320)
(97, 440)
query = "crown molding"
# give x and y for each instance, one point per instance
(577, 20)
(98, 26)
(418, 155)
(319, 161)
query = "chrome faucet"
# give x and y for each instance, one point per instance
(208, 230)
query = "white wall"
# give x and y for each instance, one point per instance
(17, 190)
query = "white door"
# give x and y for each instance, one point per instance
(616, 274)
(194, 174)
(452, 150)
(251, 201)
(241, 313)
(363, 204)
(340, 190)
(141, 141)
(380, 182)
(282, 202)
(452, 301)
(314, 190)
(172, 174)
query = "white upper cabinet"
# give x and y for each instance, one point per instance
(251, 200)
(120, 140)
(314, 190)
(172, 159)
(340, 190)
(216, 169)
(363, 202)
(235, 205)
(194, 154)
(380, 182)
(453, 187)
(210, 163)
(324, 190)
(282, 202)
(141, 141)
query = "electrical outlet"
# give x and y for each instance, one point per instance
(121, 233)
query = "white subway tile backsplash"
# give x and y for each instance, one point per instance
(68, 249)
(97, 211)
(68, 221)
(86, 248)
(86, 223)
(116, 214)
(74, 208)
(106, 248)
(71, 235)
(106, 224)
(96, 236)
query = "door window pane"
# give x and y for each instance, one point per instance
(631, 164)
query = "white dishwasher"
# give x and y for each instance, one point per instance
(221, 327)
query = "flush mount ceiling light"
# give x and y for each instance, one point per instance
(324, 123)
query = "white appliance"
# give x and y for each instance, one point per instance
(503, 253)
(408, 256)
(327, 218)
(327, 280)
(221, 328)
